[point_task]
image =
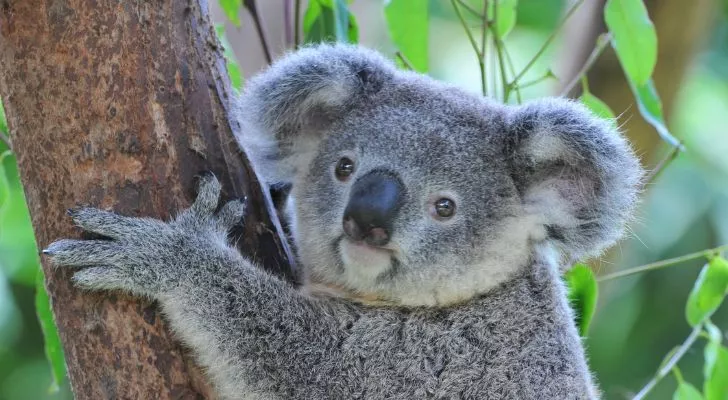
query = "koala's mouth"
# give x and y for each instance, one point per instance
(364, 256)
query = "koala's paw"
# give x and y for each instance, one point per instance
(147, 256)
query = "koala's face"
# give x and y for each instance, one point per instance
(409, 199)
(414, 192)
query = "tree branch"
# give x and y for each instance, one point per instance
(662, 264)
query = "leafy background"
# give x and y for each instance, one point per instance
(665, 322)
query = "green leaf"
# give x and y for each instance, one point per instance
(506, 16)
(583, 291)
(633, 38)
(597, 106)
(686, 391)
(329, 21)
(231, 8)
(715, 386)
(53, 349)
(234, 71)
(650, 106)
(708, 291)
(710, 353)
(408, 24)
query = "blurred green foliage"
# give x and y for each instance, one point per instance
(638, 320)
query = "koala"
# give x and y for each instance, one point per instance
(432, 227)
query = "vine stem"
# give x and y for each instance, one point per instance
(473, 42)
(297, 23)
(548, 41)
(663, 263)
(6, 140)
(481, 56)
(287, 22)
(602, 43)
(498, 43)
(670, 364)
(676, 150)
(405, 61)
(252, 7)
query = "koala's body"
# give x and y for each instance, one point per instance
(432, 227)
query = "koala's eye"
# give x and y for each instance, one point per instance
(444, 208)
(344, 168)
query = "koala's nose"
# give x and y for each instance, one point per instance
(374, 202)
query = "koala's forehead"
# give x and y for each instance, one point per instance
(425, 124)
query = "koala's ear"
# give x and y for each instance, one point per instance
(285, 111)
(575, 173)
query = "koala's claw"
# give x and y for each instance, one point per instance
(144, 255)
(208, 195)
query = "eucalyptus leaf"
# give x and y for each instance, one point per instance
(708, 291)
(233, 68)
(597, 106)
(686, 391)
(650, 106)
(53, 349)
(582, 292)
(505, 19)
(633, 38)
(710, 353)
(715, 386)
(329, 21)
(408, 23)
(231, 8)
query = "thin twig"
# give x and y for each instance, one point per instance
(472, 10)
(253, 9)
(663, 164)
(547, 75)
(407, 64)
(512, 69)
(483, 41)
(670, 364)
(6, 140)
(470, 36)
(663, 263)
(602, 42)
(297, 23)
(287, 22)
(548, 41)
(499, 53)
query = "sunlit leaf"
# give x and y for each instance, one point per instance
(583, 291)
(708, 291)
(650, 106)
(686, 391)
(710, 353)
(408, 26)
(234, 71)
(633, 38)
(53, 349)
(715, 386)
(231, 8)
(506, 15)
(329, 21)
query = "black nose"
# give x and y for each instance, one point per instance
(375, 199)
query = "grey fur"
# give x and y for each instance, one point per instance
(470, 308)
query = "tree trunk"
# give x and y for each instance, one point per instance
(120, 104)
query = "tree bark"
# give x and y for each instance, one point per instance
(120, 104)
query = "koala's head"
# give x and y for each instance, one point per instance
(415, 192)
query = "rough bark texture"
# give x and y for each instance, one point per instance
(120, 104)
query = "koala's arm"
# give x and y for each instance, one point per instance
(251, 331)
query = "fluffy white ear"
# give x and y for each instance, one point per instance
(286, 110)
(575, 172)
